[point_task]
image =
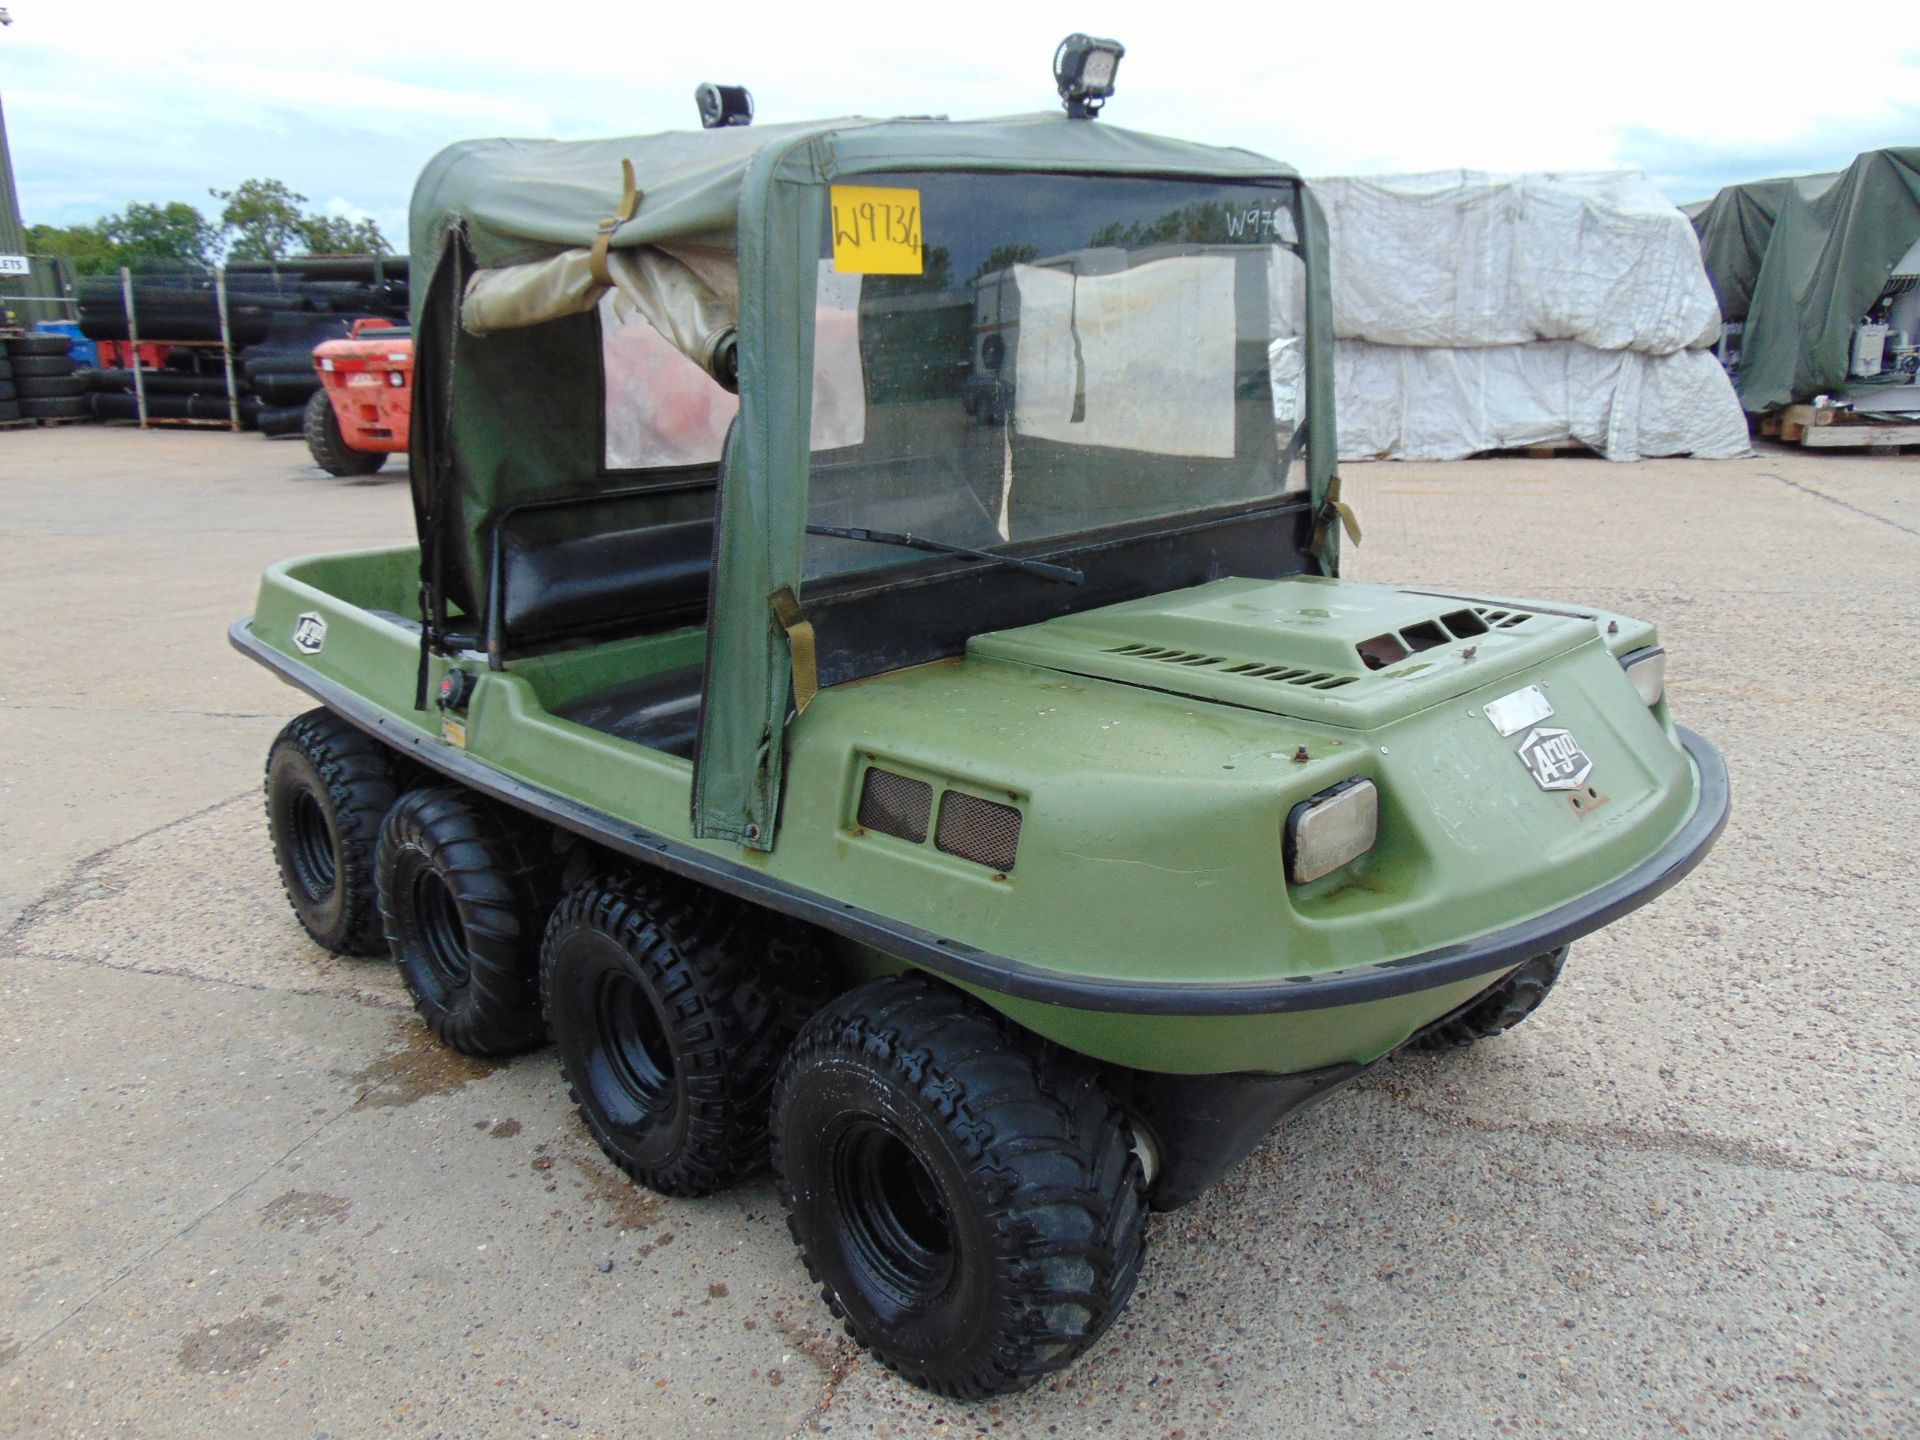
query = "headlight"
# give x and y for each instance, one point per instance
(1332, 828)
(1648, 671)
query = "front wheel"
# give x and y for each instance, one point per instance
(666, 1003)
(1499, 1009)
(329, 447)
(968, 1198)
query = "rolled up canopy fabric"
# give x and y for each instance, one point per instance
(691, 296)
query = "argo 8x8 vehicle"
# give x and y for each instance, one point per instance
(873, 687)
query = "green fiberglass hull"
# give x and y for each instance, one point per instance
(1153, 752)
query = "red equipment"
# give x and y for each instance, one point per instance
(362, 412)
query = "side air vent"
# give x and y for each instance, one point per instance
(982, 831)
(1245, 669)
(898, 805)
(1171, 657)
(1500, 619)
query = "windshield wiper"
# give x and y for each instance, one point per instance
(1064, 574)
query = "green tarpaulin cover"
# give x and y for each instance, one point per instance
(1801, 260)
(515, 416)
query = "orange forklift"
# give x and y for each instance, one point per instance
(359, 415)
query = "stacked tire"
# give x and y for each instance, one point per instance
(37, 380)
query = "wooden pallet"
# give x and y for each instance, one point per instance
(154, 422)
(34, 422)
(1822, 426)
(1538, 452)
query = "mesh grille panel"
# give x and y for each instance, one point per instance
(978, 830)
(896, 805)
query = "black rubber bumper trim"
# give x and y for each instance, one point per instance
(1483, 955)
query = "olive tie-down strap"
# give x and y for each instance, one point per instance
(799, 632)
(1331, 507)
(629, 202)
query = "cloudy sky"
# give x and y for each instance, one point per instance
(109, 101)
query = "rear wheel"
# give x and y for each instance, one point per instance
(666, 1003)
(967, 1197)
(1499, 1009)
(465, 889)
(329, 787)
(329, 447)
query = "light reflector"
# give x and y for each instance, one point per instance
(1648, 671)
(1332, 829)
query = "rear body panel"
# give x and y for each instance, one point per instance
(369, 382)
(1146, 918)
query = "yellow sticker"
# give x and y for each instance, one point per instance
(876, 231)
(453, 731)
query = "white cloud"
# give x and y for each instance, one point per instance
(119, 100)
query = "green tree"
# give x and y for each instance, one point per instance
(266, 220)
(89, 250)
(337, 235)
(171, 232)
(138, 236)
(262, 220)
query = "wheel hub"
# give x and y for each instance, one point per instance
(311, 847)
(443, 939)
(639, 1083)
(898, 1226)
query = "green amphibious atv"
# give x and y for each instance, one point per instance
(874, 689)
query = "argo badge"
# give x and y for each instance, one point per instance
(309, 633)
(1554, 759)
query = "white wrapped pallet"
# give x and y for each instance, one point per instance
(1400, 402)
(1462, 258)
(1486, 312)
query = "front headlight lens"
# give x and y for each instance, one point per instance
(1648, 671)
(1331, 829)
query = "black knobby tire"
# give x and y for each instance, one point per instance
(661, 1002)
(52, 387)
(329, 448)
(6, 365)
(329, 787)
(967, 1196)
(38, 366)
(280, 420)
(9, 410)
(38, 346)
(465, 890)
(1500, 1008)
(70, 408)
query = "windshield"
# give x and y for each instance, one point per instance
(1042, 356)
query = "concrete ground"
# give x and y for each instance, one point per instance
(241, 1193)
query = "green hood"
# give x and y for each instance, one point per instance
(1307, 648)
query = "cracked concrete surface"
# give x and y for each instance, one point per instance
(242, 1192)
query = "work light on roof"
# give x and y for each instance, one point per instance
(723, 105)
(1083, 68)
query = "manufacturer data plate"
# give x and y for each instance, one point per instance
(1554, 759)
(310, 633)
(1511, 714)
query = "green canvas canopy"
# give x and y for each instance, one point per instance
(1801, 260)
(714, 238)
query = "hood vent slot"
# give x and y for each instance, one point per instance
(1394, 646)
(1245, 669)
